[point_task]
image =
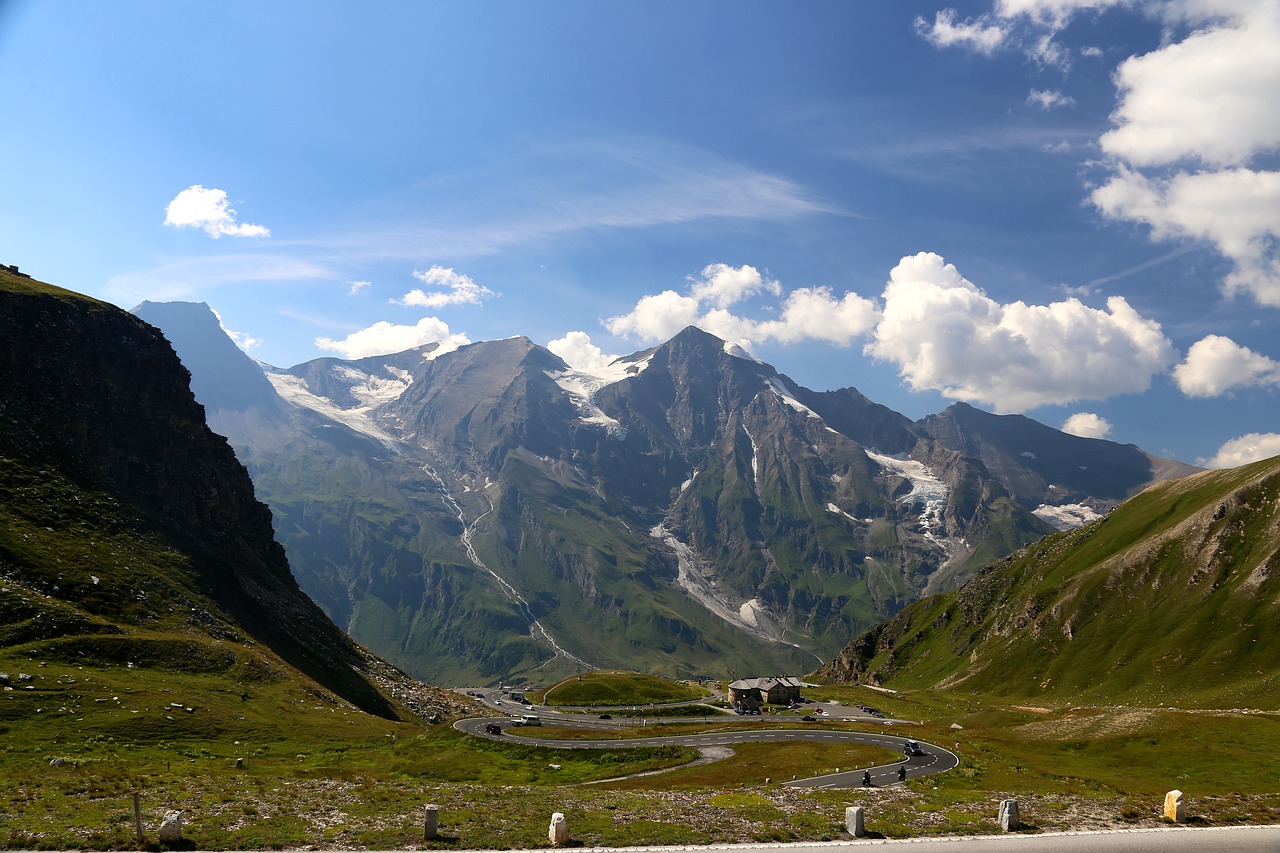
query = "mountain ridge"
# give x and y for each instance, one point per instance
(687, 509)
(1173, 596)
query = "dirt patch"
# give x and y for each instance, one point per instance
(1093, 726)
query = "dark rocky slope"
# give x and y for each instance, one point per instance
(93, 399)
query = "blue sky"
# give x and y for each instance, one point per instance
(1063, 208)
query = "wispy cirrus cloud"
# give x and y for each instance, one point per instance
(560, 191)
(540, 195)
(180, 278)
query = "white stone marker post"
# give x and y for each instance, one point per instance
(558, 832)
(171, 828)
(1173, 808)
(1009, 815)
(430, 822)
(853, 821)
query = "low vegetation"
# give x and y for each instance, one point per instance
(613, 688)
(86, 737)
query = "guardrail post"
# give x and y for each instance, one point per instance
(430, 822)
(853, 821)
(1173, 807)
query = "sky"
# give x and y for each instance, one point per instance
(1068, 209)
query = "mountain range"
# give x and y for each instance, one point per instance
(488, 512)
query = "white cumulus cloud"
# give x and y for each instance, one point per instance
(1195, 128)
(816, 313)
(197, 207)
(1214, 365)
(947, 335)
(384, 338)
(1195, 125)
(656, 317)
(1238, 210)
(457, 289)
(577, 351)
(807, 313)
(1243, 450)
(723, 285)
(1087, 425)
(1210, 97)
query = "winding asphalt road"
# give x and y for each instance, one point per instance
(934, 760)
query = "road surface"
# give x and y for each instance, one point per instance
(934, 760)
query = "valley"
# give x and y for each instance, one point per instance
(154, 640)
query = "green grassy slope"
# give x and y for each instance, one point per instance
(619, 688)
(1173, 598)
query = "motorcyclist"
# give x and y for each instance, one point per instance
(902, 773)
(866, 777)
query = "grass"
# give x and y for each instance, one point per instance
(615, 688)
(1169, 600)
(321, 774)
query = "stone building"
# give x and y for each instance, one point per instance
(748, 694)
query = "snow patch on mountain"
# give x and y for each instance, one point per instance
(755, 458)
(928, 493)
(1066, 516)
(583, 384)
(838, 511)
(786, 396)
(453, 342)
(294, 390)
(739, 351)
(373, 390)
(750, 616)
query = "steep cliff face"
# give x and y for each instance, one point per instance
(93, 395)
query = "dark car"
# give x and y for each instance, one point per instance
(809, 718)
(912, 748)
(493, 728)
